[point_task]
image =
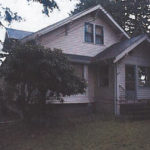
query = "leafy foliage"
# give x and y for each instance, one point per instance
(8, 15)
(36, 70)
(132, 15)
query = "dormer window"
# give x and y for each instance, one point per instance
(94, 34)
(89, 33)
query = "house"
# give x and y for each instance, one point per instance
(116, 67)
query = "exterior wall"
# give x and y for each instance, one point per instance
(139, 57)
(88, 96)
(105, 95)
(71, 41)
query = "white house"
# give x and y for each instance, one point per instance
(116, 67)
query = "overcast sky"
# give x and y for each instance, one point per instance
(32, 13)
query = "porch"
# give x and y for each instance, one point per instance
(133, 82)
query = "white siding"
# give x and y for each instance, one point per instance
(139, 57)
(73, 42)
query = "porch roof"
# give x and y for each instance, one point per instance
(118, 50)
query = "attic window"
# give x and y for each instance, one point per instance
(94, 33)
(89, 30)
(99, 34)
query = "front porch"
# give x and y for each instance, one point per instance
(133, 82)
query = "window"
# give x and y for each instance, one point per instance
(78, 70)
(89, 33)
(144, 76)
(104, 76)
(99, 35)
(94, 33)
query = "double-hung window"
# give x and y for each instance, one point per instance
(94, 33)
(89, 30)
(99, 35)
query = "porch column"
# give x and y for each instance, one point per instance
(116, 90)
(86, 72)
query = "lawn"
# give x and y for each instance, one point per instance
(78, 134)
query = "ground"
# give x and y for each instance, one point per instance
(94, 133)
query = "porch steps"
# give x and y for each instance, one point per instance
(135, 111)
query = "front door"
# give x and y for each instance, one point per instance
(130, 82)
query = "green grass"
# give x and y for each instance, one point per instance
(78, 134)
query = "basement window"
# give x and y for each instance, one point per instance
(144, 76)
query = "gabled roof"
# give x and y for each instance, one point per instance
(119, 50)
(17, 34)
(75, 17)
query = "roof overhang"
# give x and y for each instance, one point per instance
(73, 18)
(79, 59)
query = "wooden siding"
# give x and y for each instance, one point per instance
(70, 38)
(139, 57)
(88, 96)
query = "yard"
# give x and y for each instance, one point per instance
(78, 134)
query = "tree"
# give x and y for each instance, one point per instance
(8, 15)
(132, 15)
(35, 71)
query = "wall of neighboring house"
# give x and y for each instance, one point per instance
(70, 38)
(138, 57)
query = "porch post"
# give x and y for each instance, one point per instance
(86, 72)
(136, 81)
(116, 91)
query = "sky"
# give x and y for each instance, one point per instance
(33, 18)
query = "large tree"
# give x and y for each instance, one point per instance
(132, 15)
(37, 72)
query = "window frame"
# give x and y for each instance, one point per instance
(85, 32)
(94, 34)
(101, 35)
(145, 85)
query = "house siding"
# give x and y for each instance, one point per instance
(88, 96)
(72, 41)
(139, 57)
